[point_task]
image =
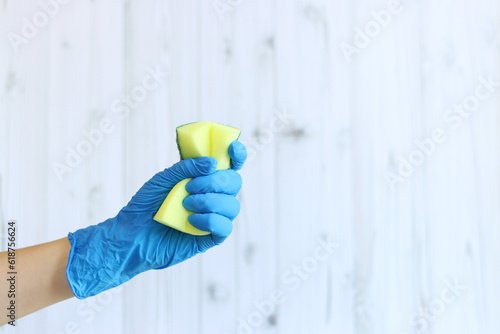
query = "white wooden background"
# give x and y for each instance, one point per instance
(322, 176)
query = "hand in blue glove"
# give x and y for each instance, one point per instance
(106, 255)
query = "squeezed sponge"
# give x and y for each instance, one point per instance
(206, 139)
(200, 139)
(194, 140)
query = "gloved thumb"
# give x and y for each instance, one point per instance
(189, 168)
(153, 192)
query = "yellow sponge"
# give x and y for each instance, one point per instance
(200, 139)
(194, 140)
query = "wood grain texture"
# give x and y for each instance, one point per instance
(316, 176)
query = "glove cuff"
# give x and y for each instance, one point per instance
(95, 262)
(69, 275)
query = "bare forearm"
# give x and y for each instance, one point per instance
(40, 280)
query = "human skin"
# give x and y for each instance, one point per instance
(40, 275)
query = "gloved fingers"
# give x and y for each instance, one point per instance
(238, 154)
(222, 204)
(185, 169)
(224, 182)
(219, 226)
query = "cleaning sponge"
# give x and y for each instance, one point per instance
(200, 139)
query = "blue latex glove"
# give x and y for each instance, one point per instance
(106, 255)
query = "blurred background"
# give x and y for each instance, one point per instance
(371, 194)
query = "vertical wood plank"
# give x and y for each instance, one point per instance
(339, 298)
(386, 219)
(218, 278)
(85, 78)
(455, 195)
(300, 54)
(27, 165)
(253, 100)
(183, 282)
(146, 129)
